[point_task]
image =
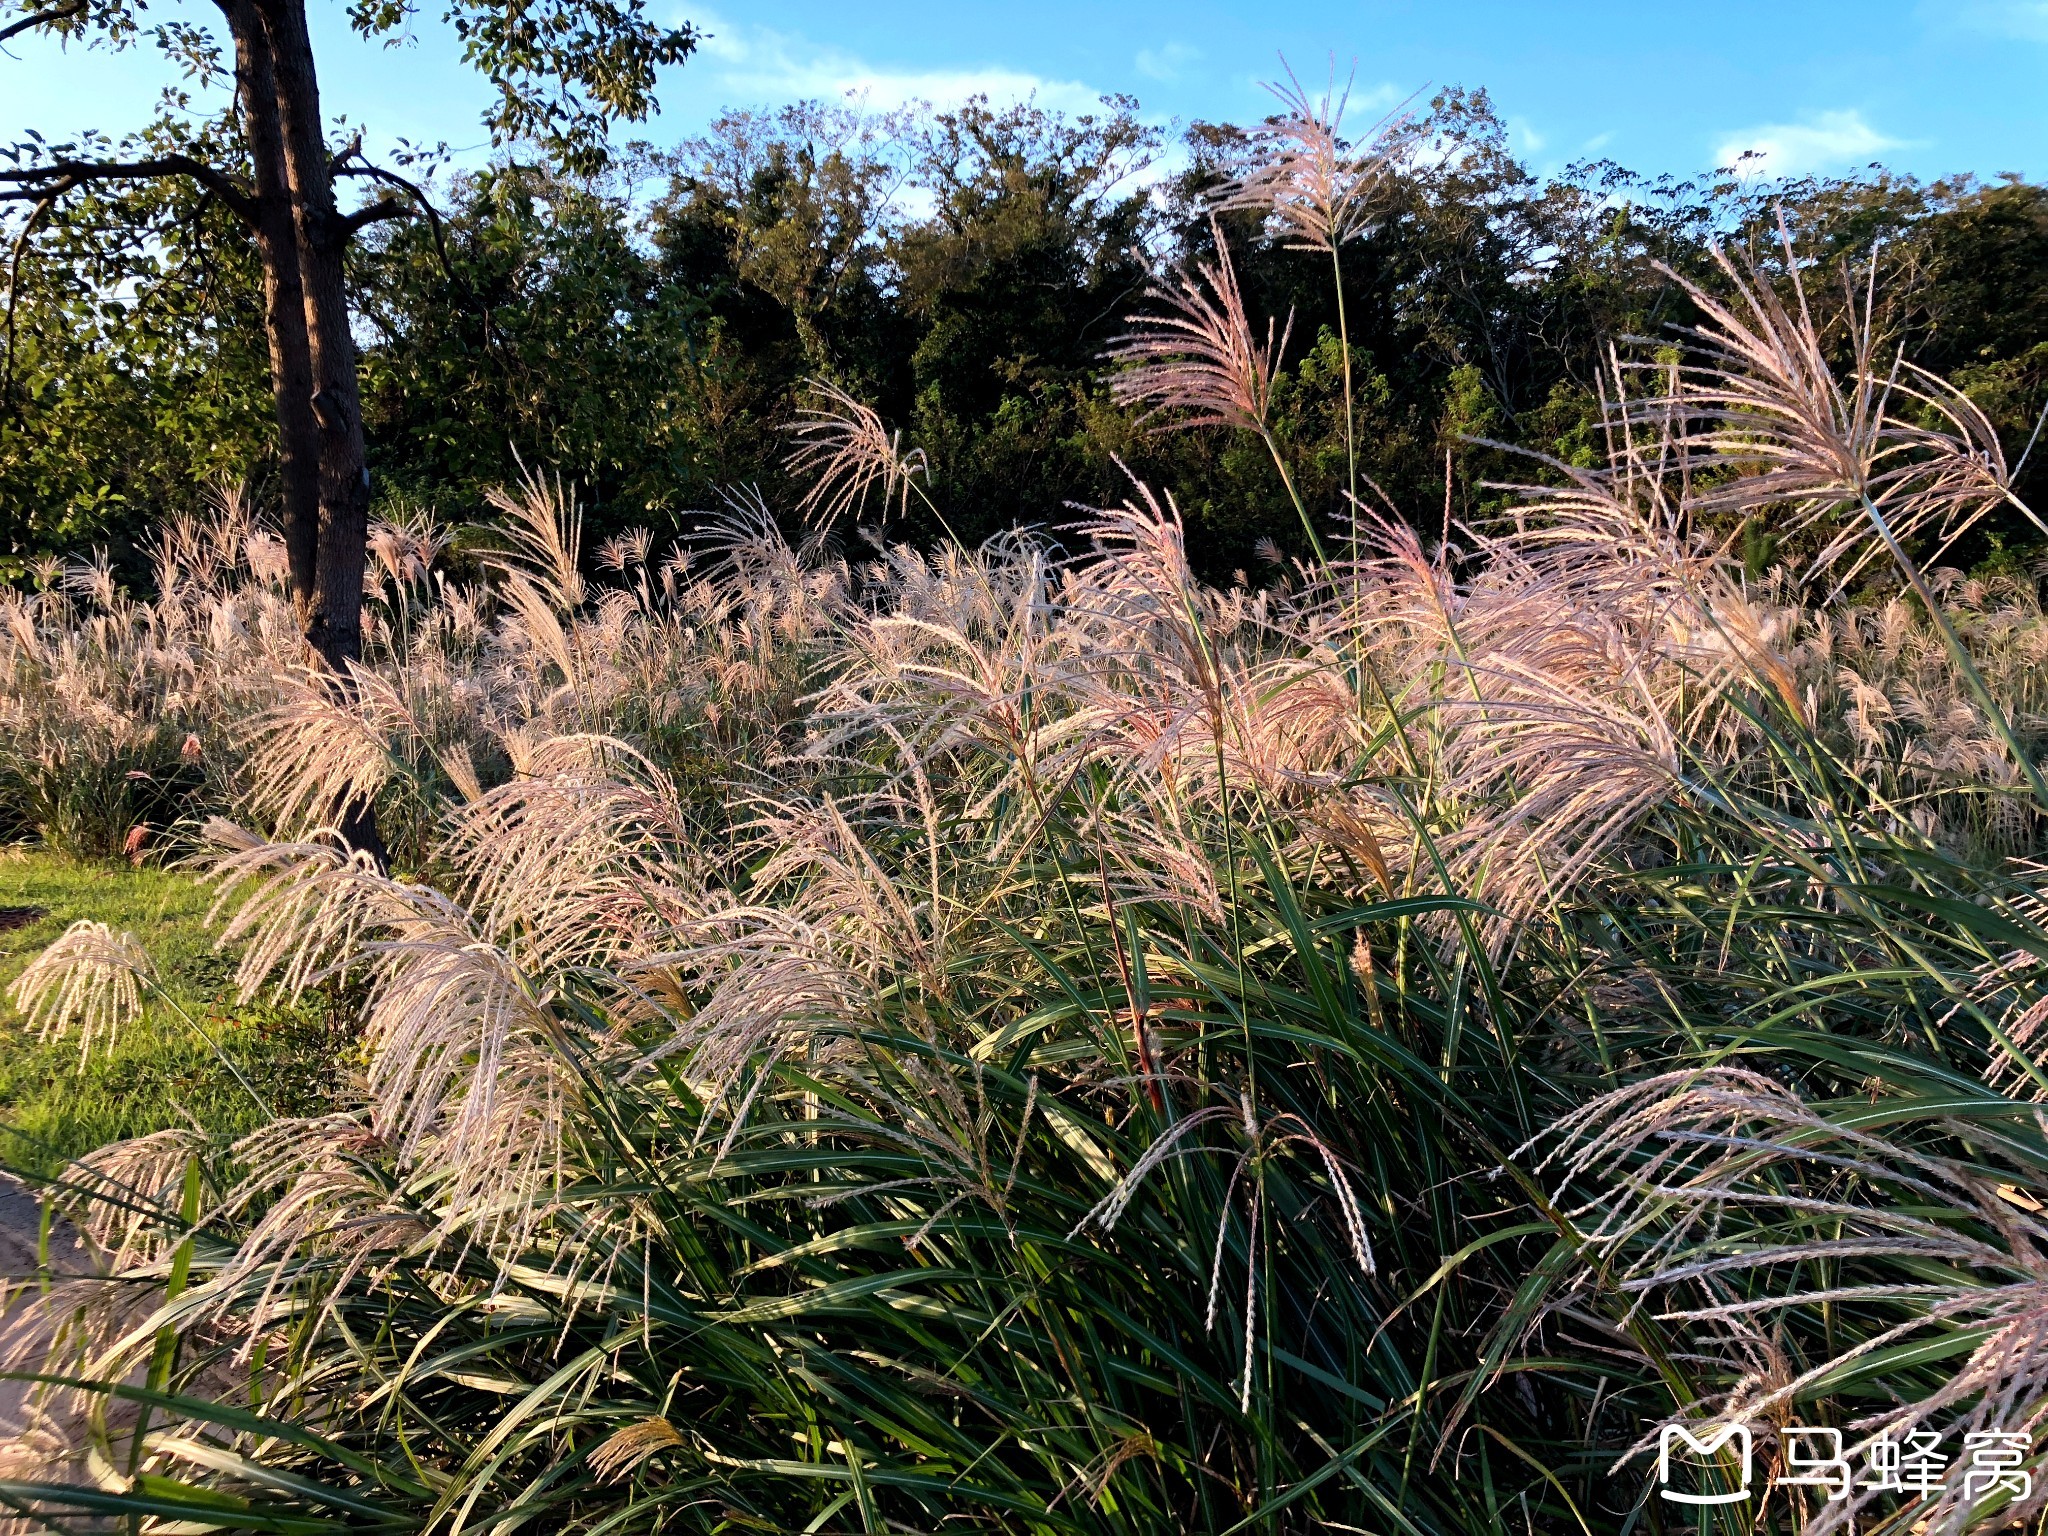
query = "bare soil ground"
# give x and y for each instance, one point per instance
(35, 1446)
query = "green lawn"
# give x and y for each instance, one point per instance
(158, 1072)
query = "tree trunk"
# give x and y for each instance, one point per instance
(335, 629)
(284, 304)
(327, 527)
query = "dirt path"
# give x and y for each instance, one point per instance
(20, 1221)
(29, 1451)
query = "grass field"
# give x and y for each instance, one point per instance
(159, 1072)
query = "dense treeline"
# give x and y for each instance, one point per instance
(649, 333)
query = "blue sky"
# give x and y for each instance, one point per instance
(1928, 86)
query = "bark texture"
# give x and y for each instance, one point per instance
(302, 240)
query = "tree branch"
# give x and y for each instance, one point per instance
(350, 162)
(383, 208)
(36, 182)
(34, 19)
(28, 228)
(348, 152)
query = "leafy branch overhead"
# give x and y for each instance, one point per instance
(565, 70)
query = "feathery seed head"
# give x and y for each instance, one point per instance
(842, 446)
(91, 977)
(1311, 183)
(1198, 363)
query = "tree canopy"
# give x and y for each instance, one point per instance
(645, 320)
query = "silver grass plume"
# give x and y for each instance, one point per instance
(90, 978)
(1197, 363)
(846, 452)
(1313, 185)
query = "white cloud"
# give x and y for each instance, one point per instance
(1822, 142)
(2025, 19)
(1377, 100)
(744, 66)
(1167, 61)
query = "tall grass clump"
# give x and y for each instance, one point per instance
(1021, 1039)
